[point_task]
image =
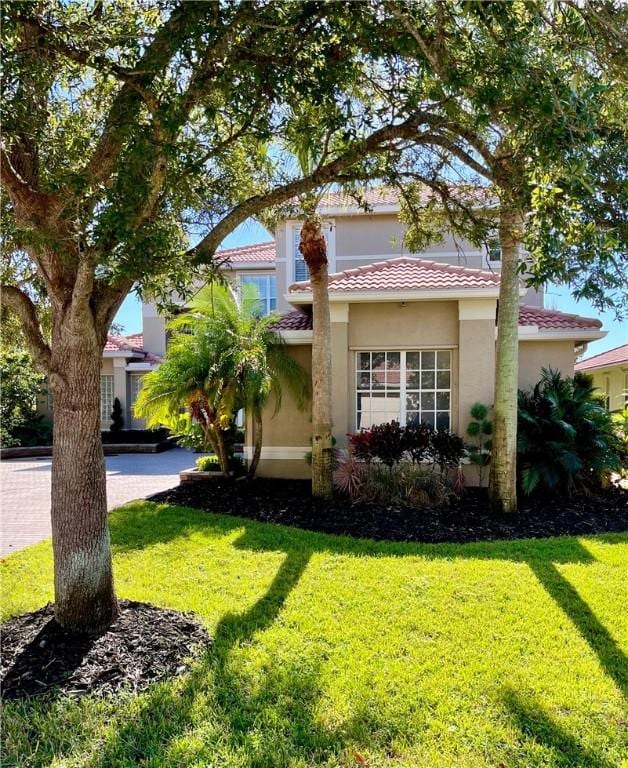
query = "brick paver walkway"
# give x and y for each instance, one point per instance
(25, 490)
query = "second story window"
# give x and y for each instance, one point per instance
(300, 271)
(266, 286)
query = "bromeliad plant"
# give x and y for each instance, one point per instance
(566, 440)
(222, 357)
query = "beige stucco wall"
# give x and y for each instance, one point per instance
(286, 435)
(535, 355)
(476, 368)
(403, 325)
(612, 383)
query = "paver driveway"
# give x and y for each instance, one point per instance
(25, 490)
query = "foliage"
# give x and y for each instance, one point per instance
(447, 449)
(417, 441)
(480, 428)
(404, 483)
(222, 357)
(386, 442)
(21, 385)
(389, 443)
(211, 463)
(620, 425)
(566, 441)
(117, 418)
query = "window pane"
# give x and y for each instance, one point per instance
(413, 380)
(428, 360)
(443, 379)
(428, 380)
(413, 361)
(412, 418)
(364, 361)
(442, 419)
(378, 360)
(106, 397)
(427, 401)
(363, 380)
(301, 272)
(428, 418)
(412, 401)
(444, 360)
(442, 401)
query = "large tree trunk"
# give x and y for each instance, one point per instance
(85, 599)
(314, 251)
(257, 441)
(503, 470)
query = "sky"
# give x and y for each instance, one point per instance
(556, 297)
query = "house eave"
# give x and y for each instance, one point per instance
(535, 333)
(361, 297)
(297, 337)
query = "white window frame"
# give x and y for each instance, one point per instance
(106, 390)
(269, 276)
(293, 230)
(404, 390)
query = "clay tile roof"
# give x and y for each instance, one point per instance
(388, 196)
(260, 252)
(554, 320)
(294, 321)
(615, 356)
(404, 274)
(133, 345)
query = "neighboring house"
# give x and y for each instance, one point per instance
(610, 375)
(124, 363)
(413, 335)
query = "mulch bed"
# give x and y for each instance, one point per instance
(289, 502)
(143, 645)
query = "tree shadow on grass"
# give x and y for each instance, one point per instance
(537, 725)
(214, 709)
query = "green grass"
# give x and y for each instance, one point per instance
(335, 652)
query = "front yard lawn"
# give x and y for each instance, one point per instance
(331, 651)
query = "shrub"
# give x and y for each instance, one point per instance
(362, 445)
(211, 463)
(117, 419)
(620, 426)
(404, 484)
(349, 473)
(387, 443)
(21, 385)
(447, 449)
(566, 440)
(417, 441)
(480, 429)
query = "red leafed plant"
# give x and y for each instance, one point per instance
(349, 474)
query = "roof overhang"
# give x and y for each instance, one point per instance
(121, 353)
(296, 337)
(536, 333)
(361, 297)
(141, 366)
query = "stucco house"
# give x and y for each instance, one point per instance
(413, 334)
(610, 375)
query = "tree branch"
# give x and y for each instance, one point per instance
(16, 300)
(378, 142)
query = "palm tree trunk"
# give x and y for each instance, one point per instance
(503, 468)
(314, 251)
(223, 456)
(257, 441)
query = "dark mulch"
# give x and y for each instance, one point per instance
(469, 519)
(143, 645)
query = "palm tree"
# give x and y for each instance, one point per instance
(243, 362)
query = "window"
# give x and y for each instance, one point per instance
(106, 397)
(409, 387)
(607, 392)
(136, 385)
(266, 286)
(625, 390)
(301, 272)
(493, 249)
